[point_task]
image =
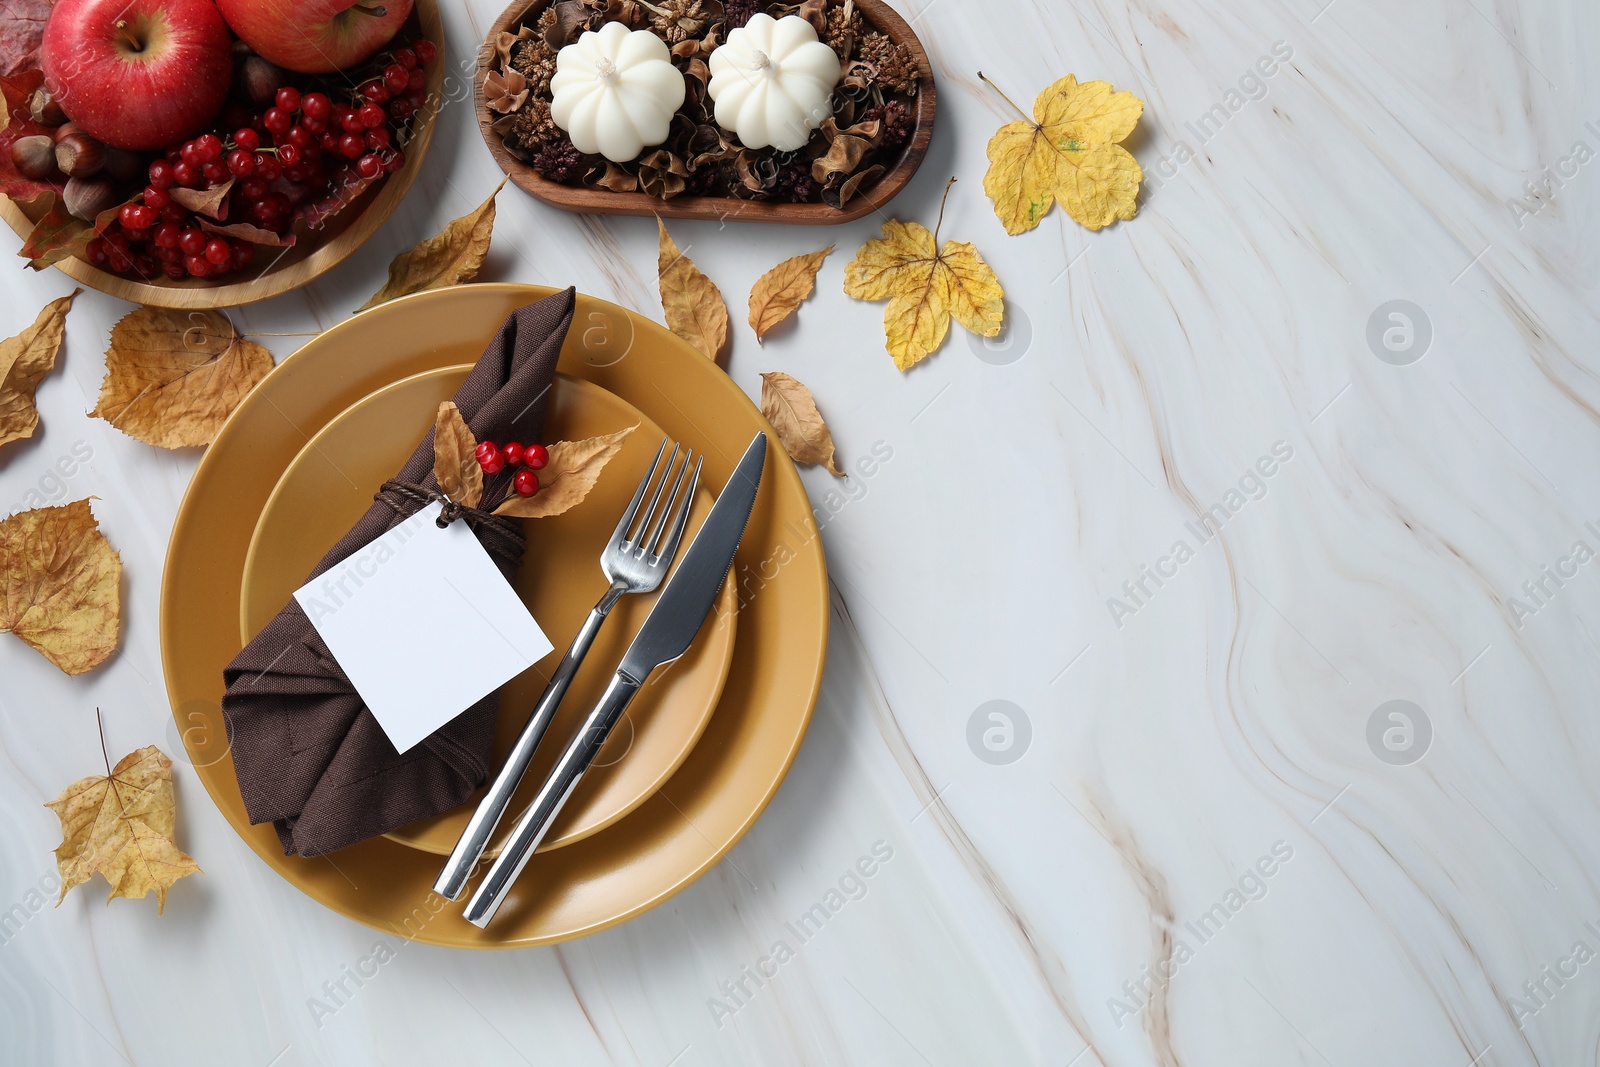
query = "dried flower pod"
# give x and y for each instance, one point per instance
(35, 156)
(44, 109)
(260, 80)
(505, 91)
(79, 155)
(87, 197)
(662, 174)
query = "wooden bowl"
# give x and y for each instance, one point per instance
(310, 255)
(586, 201)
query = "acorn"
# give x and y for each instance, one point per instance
(85, 198)
(260, 80)
(45, 110)
(35, 156)
(79, 155)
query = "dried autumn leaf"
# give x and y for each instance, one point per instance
(24, 361)
(779, 292)
(925, 285)
(60, 585)
(253, 234)
(455, 467)
(122, 825)
(173, 377)
(21, 31)
(450, 257)
(692, 303)
(573, 469)
(1066, 152)
(788, 405)
(211, 202)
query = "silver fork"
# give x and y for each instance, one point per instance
(633, 564)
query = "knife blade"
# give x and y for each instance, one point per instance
(667, 633)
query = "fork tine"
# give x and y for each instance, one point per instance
(681, 519)
(646, 541)
(637, 539)
(621, 532)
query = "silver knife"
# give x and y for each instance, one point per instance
(666, 635)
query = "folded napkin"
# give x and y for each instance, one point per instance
(309, 755)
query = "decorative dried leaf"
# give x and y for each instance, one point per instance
(244, 231)
(607, 175)
(925, 285)
(693, 305)
(122, 826)
(793, 413)
(21, 31)
(455, 466)
(60, 585)
(850, 186)
(316, 212)
(60, 235)
(24, 361)
(573, 469)
(212, 202)
(779, 292)
(1067, 152)
(450, 257)
(173, 377)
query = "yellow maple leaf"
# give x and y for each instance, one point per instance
(173, 377)
(1066, 152)
(60, 585)
(121, 825)
(925, 285)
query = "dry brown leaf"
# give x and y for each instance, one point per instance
(573, 469)
(455, 466)
(693, 305)
(788, 405)
(778, 293)
(24, 361)
(60, 585)
(211, 202)
(173, 377)
(453, 255)
(121, 825)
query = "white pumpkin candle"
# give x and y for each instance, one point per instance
(772, 81)
(615, 91)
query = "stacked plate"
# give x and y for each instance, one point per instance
(704, 746)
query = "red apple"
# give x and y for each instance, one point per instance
(315, 36)
(138, 74)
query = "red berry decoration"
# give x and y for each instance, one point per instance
(525, 482)
(217, 252)
(192, 241)
(247, 139)
(513, 453)
(536, 457)
(425, 51)
(489, 457)
(368, 166)
(316, 105)
(241, 163)
(288, 98)
(161, 174)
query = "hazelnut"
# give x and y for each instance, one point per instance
(66, 129)
(79, 155)
(44, 108)
(260, 80)
(35, 156)
(85, 198)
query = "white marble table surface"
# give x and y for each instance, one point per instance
(1209, 845)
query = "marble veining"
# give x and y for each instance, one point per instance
(1212, 665)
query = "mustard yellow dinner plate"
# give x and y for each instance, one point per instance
(329, 485)
(778, 578)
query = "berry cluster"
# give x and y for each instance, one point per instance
(495, 458)
(295, 157)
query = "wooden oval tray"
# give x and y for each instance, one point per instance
(586, 201)
(309, 256)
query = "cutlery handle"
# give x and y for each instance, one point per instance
(452, 880)
(535, 822)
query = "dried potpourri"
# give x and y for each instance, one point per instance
(872, 106)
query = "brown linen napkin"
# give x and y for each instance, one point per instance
(309, 756)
